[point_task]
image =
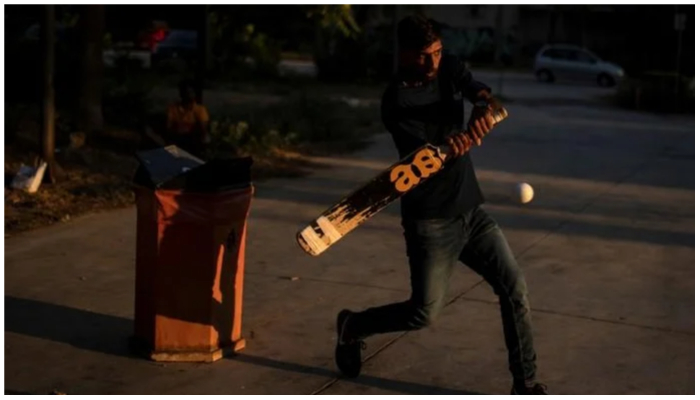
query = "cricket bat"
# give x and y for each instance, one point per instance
(372, 197)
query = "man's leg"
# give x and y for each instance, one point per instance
(432, 247)
(487, 252)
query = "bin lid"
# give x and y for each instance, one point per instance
(171, 167)
(166, 163)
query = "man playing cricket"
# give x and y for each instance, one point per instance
(442, 218)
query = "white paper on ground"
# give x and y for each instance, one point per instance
(29, 178)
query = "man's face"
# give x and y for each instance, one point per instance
(424, 62)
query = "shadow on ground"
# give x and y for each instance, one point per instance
(380, 383)
(108, 334)
(79, 328)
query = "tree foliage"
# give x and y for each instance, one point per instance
(335, 18)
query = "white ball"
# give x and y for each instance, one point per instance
(524, 193)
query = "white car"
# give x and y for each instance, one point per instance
(568, 62)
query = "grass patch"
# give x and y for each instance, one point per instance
(301, 124)
(277, 134)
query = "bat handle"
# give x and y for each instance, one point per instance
(498, 115)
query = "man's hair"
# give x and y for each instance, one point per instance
(417, 32)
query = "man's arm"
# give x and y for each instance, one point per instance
(409, 133)
(470, 87)
(481, 121)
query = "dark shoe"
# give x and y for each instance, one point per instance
(348, 350)
(535, 388)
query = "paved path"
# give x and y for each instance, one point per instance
(607, 246)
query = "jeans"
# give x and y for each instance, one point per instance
(433, 246)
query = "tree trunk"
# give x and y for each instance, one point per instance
(92, 24)
(395, 36)
(48, 137)
(202, 53)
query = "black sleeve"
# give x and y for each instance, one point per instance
(462, 78)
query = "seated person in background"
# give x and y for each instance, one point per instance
(187, 121)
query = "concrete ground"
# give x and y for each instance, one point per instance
(607, 246)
